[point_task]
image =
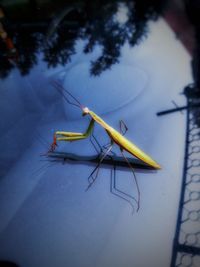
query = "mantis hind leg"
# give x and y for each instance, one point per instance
(117, 192)
(135, 179)
(94, 174)
(123, 128)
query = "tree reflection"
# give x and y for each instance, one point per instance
(109, 24)
(192, 92)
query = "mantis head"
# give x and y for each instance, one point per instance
(85, 111)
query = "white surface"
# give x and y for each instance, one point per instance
(47, 219)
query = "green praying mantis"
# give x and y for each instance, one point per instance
(115, 138)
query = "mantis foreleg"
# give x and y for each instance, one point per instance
(71, 136)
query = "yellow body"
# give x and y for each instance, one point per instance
(124, 143)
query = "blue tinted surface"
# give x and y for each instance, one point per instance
(47, 218)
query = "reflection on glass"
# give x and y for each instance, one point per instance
(53, 29)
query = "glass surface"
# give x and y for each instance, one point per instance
(47, 216)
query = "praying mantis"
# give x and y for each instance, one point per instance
(115, 138)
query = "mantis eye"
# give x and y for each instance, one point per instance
(85, 111)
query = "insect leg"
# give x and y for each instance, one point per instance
(95, 142)
(100, 148)
(135, 179)
(70, 136)
(111, 152)
(123, 127)
(117, 192)
(91, 178)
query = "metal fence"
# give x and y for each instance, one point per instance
(186, 245)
